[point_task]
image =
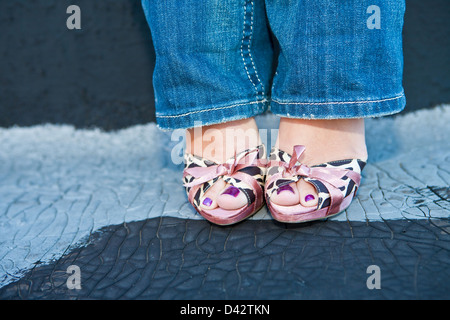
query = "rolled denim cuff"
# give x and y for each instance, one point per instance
(339, 109)
(213, 115)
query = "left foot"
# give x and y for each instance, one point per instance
(325, 140)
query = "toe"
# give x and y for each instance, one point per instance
(208, 201)
(308, 193)
(286, 195)
(231, 198)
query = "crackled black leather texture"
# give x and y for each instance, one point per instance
(171, 258)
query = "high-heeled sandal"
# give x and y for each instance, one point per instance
(245, 171)
(336, 183)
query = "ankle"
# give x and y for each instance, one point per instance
(220, 142)
(325, 140)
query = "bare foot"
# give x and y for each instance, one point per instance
(325, 140)
(219, 143)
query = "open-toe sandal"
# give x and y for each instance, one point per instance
(336, 183)
(245, 171)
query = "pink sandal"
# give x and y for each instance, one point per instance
(245, 172)
(336, 183)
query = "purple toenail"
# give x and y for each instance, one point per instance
(207, 202)
(285, 187)
(309, 197)
(232, 191)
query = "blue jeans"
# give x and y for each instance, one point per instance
(223, 60)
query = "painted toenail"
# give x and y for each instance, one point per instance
(309, 197)
(232, 191)
(207, 202)
(285, 187)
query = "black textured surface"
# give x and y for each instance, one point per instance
(170, 258)
(101, 75)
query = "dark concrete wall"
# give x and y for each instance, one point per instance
(101, 75)
(97, 76)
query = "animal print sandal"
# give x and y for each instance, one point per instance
(245, 171)
(336, 183)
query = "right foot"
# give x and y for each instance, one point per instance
(219, 143)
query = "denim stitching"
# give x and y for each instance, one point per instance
(273, 80)
(242, 47)
(250, 53)
(341, 102)
(258, 92)
(213, 109)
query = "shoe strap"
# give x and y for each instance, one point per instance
(230, 169)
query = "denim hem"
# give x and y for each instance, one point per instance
(214, 115)
(339, 109)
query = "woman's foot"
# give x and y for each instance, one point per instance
(219, 143)
(325, 140)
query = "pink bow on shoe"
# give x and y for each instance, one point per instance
(204, 174)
